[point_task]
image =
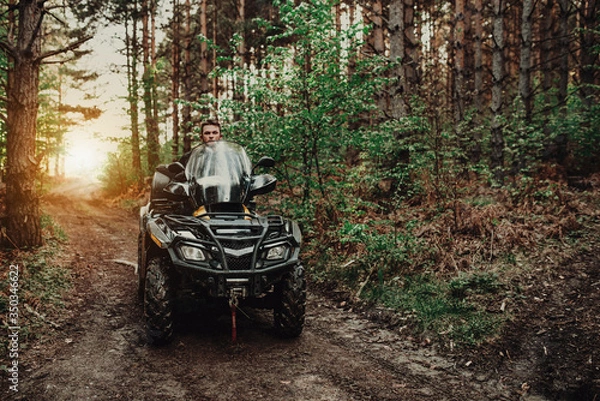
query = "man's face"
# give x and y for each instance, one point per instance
(211, 133)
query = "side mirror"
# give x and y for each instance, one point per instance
(264, 161)
(176, 168)
(262, 184)
(177, 189)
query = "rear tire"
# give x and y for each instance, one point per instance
(290, 306)
(158, 302)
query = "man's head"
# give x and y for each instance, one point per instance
(211, 131)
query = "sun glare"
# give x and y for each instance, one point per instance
(84, 160)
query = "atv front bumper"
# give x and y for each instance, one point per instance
(224, 256)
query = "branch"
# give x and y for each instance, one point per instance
(70, 47)
(8, 48)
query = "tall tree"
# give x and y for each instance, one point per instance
(187, 79)
(398, 104)
(525, 59)
(411, 50)
(589, 62)
(149, 80)
(477, 78)
(133, 52)
(377, 43)
(175, 66)
(459, 62)
(203, 48)
(25, 55)
(563, 63)
(497, 139)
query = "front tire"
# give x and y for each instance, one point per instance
(290, 307)
(141, 278)
(158, 302)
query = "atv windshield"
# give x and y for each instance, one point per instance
(220, 172)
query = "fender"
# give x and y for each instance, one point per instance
(160, 233)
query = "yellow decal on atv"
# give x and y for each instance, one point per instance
(201, 210)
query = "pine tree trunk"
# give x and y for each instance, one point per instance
(459, 63)
(477, 79)
(525, 59)
(187, 79)
(22, 203)
(588, 57)
(176, 61)
(547, 53)
(132, 62)
(411, 51)
(376, 45)
(203, 50)
(398, 107)
(148, 79)
(563, 63)
(497, 140)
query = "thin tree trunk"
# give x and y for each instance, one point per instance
(477, 79)
(148, 78)
(525, 62)
(411, 51)
(563, 67)
(376, 45)
(241, 20)
(459, 64)
(203, 50)
(588, 65)
(133, 83)
(398, 107)
(187, 109)
(497, 139)
(176, 61)
(22, 202)
(215, 83)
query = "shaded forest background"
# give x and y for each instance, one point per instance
(424, 146)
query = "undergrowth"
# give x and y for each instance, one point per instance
(41, 285)
(453, 267)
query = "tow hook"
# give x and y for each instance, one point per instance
(234, 295)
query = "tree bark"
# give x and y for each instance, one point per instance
(203, 50)
(132, 63)
(149, 84)
(175, 61)
(187, 79)
(375, 44)
(459, 64)
(497, 139)
(589, 61)
(411, 51)
(563, 63)
(398, 106)
(525, 59)
(477, 79)
(22, 202)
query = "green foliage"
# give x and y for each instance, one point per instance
(581, 125)
(302, 106)
(118, 175)
(42, 283)
(441, 308)
(388, 252)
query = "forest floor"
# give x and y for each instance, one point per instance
(95, 348)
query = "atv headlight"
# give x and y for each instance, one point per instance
(192, 253)
(277, 252)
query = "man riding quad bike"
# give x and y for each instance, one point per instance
(200, 235)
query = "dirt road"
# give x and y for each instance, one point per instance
(100, 352)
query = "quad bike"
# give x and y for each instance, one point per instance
(200, 236)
